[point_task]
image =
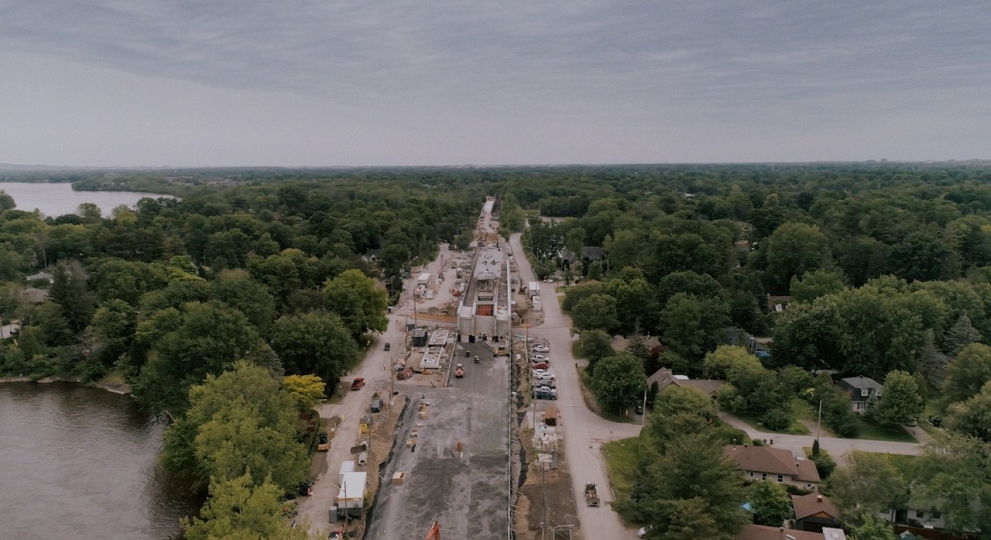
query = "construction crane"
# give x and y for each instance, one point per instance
(434, 532)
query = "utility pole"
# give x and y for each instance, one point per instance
(643, 416)
(819, 422)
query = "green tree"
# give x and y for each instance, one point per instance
(315, 343)
(954, 478)
(596, 345)
(114, 323)
(595, 312)
(618, 381)
(689, 519)
(972, 417)
(355, 298)
(921, 256)
(770, 502)
(306, 390)
(238, 509)
(869, 484)
(961, 334)
(694, 468)
(872, 528)
(793, 250)
(186, 345)
(693, 326)
(238, 289)
(899, 401)
(677, 400)
(812, 285)
(69, 291)
(718, 363)
(240, 422)
(967, 373)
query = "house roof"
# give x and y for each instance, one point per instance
(39, 275)
(772, 461)
(813, 504)
(664, 378)
(593, 253)
(33, 295)
(762, 532)
(862, 382)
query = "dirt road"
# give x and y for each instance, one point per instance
(584, 431)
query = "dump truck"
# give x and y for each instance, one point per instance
(459, 371)
(591, 495)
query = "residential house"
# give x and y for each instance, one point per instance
(34, 295)
(41, 276)
(765, 463)
(814, 511)
(763, 532)
(371, 255)
(861, 391)
(664, 378)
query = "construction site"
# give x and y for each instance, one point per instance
(448, 460)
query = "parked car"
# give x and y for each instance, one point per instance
(539, 365)
(639, 408)
(545, 388)
(358, 383)
(538, 358)
(388, 346)
(540, 349)
(541, 394)
(544, 376)
(376, 405)
(323, 442)
(935, 421)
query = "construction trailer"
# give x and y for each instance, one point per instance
(351, 497)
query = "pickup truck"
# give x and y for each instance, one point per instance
(358, 383)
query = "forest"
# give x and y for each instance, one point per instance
(231, 276)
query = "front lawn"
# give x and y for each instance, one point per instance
(869, 429)
(622, 458)
(796, 427)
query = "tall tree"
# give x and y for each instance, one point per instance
(954, 477)
(355, 298)
(694, 326)
(973, 417)
(595, 312)
(69, 291)
(239, 423)
(238, 509)
(869, 484)
(900, 400)
(793, 250)
(967, 373)
(316, 343)
(618, 382)
(770, 502)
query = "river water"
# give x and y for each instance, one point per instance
(80, 463)
(58, 199)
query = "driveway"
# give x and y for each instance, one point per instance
(584, 431)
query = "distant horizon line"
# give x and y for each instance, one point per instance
(13, 167)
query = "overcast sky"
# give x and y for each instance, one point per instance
(457, 82)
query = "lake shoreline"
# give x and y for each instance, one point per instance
(115, 388)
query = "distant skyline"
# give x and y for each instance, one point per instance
(108, 83)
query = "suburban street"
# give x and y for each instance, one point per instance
(834, 445)
(584, 431)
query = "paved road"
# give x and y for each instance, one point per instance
(376, 368)
(836, 447)
(583, 430)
